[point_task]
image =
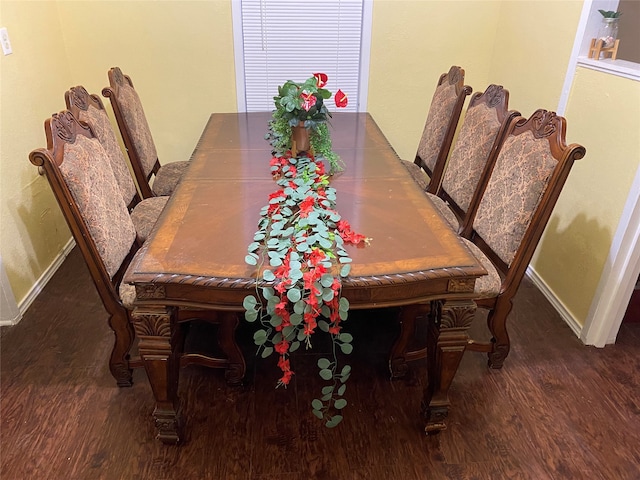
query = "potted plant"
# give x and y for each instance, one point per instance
(608, 32)
(299, 122)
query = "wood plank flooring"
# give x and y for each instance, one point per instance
(557, 410)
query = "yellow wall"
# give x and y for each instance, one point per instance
(32, 230)
(532, 51)
(604, 113)
(180, 56)
(413, 43)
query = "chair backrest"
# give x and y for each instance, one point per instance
(482, 131)
(89, 109)
(134, 128)
(79, 172)
(510, 211)
(439, 129)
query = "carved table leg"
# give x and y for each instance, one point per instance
(160, 354)
(447, 340)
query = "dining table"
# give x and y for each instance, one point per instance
(195, 256)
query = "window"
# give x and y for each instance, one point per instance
(280, 40)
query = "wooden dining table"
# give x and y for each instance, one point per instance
(195, 256)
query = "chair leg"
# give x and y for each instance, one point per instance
(397, 359)
(236, 368)
(400, 354)
(123, 340)
(497, 323)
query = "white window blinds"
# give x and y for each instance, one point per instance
(293, 39)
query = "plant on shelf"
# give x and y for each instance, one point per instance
(302, 105)
(299, 249)
(610, 14)
(608, 32)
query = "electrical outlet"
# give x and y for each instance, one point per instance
(6, 43)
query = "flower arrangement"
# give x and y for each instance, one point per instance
(299, 249)
(302, 105)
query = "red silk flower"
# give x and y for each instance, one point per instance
(308, 100)
(321, 79)
(341, 99)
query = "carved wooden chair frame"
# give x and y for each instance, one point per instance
(116, 80)
(455, 77)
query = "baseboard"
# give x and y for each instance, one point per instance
(41, 282)
(568, 318)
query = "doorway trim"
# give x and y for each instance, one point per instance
(619, 276)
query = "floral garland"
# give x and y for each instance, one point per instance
(300, 246)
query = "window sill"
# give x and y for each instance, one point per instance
(621, 68)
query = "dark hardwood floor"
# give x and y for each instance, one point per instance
(557, 410)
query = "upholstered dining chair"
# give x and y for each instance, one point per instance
(483, 127)
(510, 211)
(90, 110)
(80, 175)
(439, 129)
(503, 225)
(138, 140)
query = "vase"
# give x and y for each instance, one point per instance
(608, 32)
(300, 141)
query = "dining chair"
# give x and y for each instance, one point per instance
(483, 127)
(509, 213)
(506, 217)
(437, 136)
(89, 109)
(85, 187)
(138, 140)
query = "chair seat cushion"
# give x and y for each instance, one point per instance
(168, 177)
(487, 286)
(445, 211)
(145, 214)
(418, 174)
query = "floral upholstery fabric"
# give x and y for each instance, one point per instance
(435, 128)
(418, 174)
(519, 179)
(96, 192)
(102, 128)
(145, 214)
(127, 295)
(445, 211)
(470, 153)
(487, 286)
(167, 178)
(138, 127)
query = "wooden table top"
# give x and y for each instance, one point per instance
(195, 255)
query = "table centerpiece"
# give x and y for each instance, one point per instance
(299, 246)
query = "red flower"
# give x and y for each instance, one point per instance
(308, 100)
(348, 235)
(321, 79)
(316, 256)
(341, 99)
(282, 347)
(306, 206)
(277, 194)
(286, 377)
